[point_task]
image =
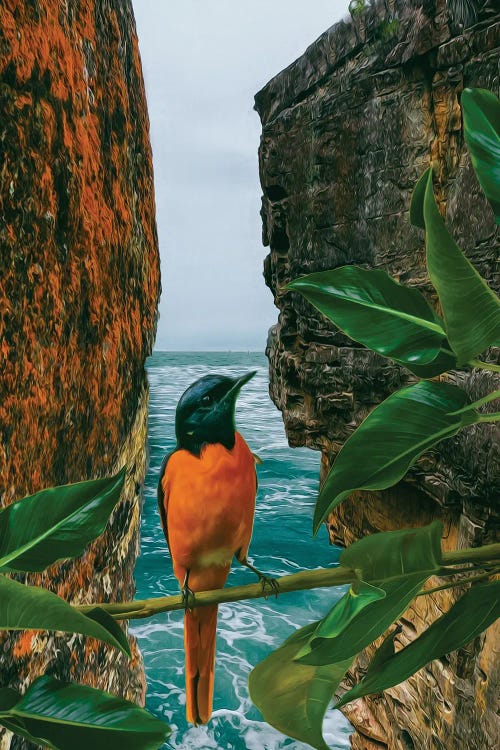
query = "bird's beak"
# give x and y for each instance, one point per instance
(238, 383)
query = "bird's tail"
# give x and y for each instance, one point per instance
(200, 626)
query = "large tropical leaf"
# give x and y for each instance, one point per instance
(398, 562)
(446, 360)
(473, 613)
(344, 613)
(336, 638)
(391, 438)
(66, 716)
(8, 698)
(56, 523)
(481, 112)
(471, 309)
(294, 697)
(33, 608)
(395, 553)
(370, 307)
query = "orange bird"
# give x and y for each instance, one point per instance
(206, 498)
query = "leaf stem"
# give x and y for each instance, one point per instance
(484, 365)
(306, 579)
(485, 400)
(460, 582)
(490, 417)
(443, 572)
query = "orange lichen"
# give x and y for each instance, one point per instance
(22, 647)
(80, 268)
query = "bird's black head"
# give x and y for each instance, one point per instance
(205, 412)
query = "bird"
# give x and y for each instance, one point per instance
(206, 499)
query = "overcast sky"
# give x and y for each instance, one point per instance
(203, 61)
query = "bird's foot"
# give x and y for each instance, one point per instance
(269, 583)
(188, 598)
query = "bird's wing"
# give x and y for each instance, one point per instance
(161, 495)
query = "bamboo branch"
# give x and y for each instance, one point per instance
(306, 579)
(472, 555)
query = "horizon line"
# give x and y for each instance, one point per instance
(207, 351)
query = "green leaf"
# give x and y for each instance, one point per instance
(293, 697)
(396, 553)
(33, 608)
(399, 562)
(338, 621)
(481, 112)
(102, 618)
(417, 202)
(347, 609)
(370, 307)
(8, 698)
(444, 362)
(471, 309)
(380, 452)
(474, 612)
(370, 623)
(56, 523)
(66, 716)
(386, 649)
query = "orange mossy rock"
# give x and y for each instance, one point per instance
(22, 647)
(79, 287)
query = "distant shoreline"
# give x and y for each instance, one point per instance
(207, 351)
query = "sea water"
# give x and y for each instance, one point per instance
(282, 543)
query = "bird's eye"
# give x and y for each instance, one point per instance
(206, 400)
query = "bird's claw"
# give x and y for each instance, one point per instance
(270, 583)
(266, 582)
(188, 598)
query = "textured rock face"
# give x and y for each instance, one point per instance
(347, 130)
(79, 285)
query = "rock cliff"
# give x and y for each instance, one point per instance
(347, 130)
(79, 286)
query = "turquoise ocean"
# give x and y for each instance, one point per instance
(282, 543)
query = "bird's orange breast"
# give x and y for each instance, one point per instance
(210, 504)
